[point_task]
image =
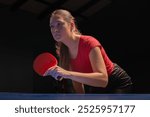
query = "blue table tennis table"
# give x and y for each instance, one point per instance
(42, 96)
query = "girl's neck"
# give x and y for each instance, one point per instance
(72, 42)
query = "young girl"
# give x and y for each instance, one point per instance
(83, 59)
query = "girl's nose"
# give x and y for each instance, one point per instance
(55, 30)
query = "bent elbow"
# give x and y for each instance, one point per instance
(105, 81)
(102, 82)
(105, 84)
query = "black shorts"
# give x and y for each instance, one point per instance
(118, 82)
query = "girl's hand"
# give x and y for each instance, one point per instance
(57, 72)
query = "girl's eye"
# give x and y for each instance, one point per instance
(51, 26)
(59, 24)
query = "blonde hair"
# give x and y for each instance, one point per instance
(64, 57)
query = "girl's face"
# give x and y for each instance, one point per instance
(60, 29)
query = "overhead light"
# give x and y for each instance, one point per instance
(8, 2)
(33, 6)
(74, 4)
(95, 8)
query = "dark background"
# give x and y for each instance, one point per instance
(121, 26)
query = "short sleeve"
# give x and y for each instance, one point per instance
(93, 42)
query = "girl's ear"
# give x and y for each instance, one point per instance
(72, 26)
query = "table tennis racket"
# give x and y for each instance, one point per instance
(43, 62)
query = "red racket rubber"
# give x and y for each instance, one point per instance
(43, 62)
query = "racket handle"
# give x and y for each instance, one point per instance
(59, 78)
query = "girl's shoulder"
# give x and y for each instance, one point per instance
(89, 39)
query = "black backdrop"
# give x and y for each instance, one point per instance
(121, 27)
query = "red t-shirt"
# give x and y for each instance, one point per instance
(82, 62)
